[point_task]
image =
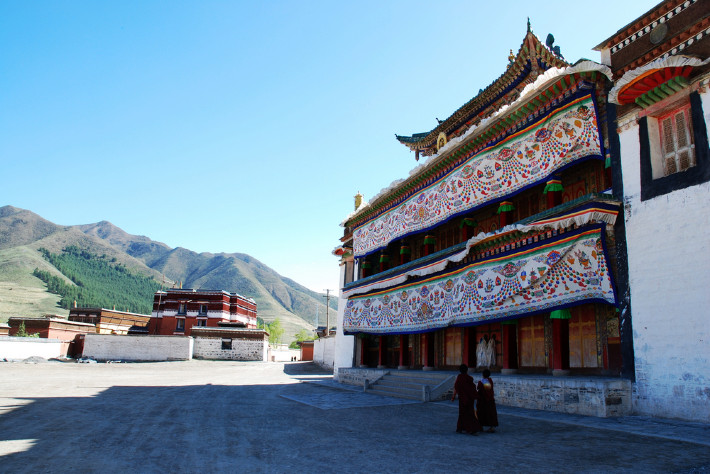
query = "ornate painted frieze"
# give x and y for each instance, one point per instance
(559, 272)
(524, 159)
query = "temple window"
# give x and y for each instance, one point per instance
(182, 308)
(180, 325)
(673, 146)
(203, 309)
(677, 151)
(226, 344)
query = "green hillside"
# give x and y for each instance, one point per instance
(97, 282)
(23, 233)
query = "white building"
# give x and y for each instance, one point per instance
(663, 108)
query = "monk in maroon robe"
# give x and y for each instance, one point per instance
(466, 391)
(487, 412)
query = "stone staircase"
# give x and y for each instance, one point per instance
(413, 385)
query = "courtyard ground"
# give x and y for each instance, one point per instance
(215, 416)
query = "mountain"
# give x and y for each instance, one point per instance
(23, 232)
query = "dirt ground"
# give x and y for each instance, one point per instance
(220, 416)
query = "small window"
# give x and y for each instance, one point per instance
(677, 149)
(182, 308)
(226, 344)
(202, 322)
(180, 325)
(203, 309)
(674, 148)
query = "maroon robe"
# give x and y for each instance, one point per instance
(487, 412)
(466, 391)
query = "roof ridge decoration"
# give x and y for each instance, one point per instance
(532, 55)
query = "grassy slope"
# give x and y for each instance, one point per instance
(22, 294)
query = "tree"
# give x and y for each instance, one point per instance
(275, 331)
(301, 335)
(22, 332)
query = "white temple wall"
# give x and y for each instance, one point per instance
(668, 241)
(344, 345)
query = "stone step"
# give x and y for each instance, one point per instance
(410, 395)
(427, 376)
(385, 382)
(399, 388)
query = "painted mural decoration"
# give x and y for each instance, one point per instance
(557, 273)
(523, 159)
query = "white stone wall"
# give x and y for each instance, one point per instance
(344, 348)
(20, 348)
(137, 348)
(242, 349)
(324, 351)
(668, 240)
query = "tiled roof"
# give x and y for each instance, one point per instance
(532, 55)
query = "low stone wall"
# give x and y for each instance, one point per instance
(137, 348)
(242, 349)
(602, 397)
(20, 348)
(592, 396)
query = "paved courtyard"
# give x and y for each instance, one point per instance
(202, 416)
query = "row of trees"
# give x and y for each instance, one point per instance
(276, 332)
(98, 281)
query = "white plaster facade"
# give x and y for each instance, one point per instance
(137, 348)
(344, 349)
(20, 348)
(668, 242)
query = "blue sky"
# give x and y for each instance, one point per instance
(226, 126)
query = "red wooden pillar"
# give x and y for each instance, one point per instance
(607, 172)
(510, 347)
(405, 254)
(425, 351)
(465, 347)
(560, 341)
(553, 191)
(403, 346)
(381, 353)
(384, 261)
(429, 244)
(505, 213)
(468, 227)
(363, 348)
(366, 267)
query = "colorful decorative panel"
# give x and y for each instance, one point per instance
(559, 272)
(521, 160)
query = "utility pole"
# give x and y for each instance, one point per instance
(327, 314)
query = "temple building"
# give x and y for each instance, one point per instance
(508, 246)
(176, 311)
(111, 321)
(660, 105)
(494, 251)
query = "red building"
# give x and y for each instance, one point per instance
(52, 326)
(176, 311)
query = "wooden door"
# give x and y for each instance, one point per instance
(453, 347)
(583, 338)
(531, 334)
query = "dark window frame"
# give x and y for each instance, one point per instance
(698, 174)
